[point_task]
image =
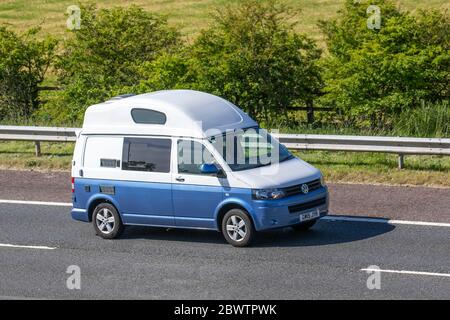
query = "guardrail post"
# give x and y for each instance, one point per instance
(310, 111)
(37, 148)
(401, 161)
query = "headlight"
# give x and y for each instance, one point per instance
(322, 181)
(266, 194)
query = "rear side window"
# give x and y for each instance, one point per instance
(146, 154)
(148, 116)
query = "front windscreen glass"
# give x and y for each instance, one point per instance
(249, 148)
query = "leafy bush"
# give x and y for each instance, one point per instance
(24, 62)
(103, 57)
(372, 75)
(168, 71)
(389, 80)
(251, 56)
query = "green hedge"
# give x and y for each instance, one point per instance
(376, 79)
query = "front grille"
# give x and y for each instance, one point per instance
(307, 205)
(297, 189)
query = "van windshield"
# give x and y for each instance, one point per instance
(249, 148)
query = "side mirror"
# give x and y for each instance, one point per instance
(209, 168)
(212, 169)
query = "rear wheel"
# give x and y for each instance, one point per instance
(304, 226)
(107, 222)
(237, 228)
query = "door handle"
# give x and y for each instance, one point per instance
(180, 179)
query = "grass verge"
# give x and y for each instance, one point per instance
(20, 155)
(338, 167)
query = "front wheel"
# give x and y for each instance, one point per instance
(107, 222)
(237, 228)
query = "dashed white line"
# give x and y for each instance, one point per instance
(7, 245)
(330, 217)
(388, 221)
(39, 203)
(420, 223)
(417, 273)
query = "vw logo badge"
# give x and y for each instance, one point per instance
(305, 188)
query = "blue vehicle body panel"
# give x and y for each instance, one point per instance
(268, 214)
(238, 196)
(186, 206)
(137, 202)
(80, 214)
(194, 205)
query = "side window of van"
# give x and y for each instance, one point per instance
(148, 116)
(146, 154)
(191, 155)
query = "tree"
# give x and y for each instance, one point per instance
(103, 57)
(253, 57)
(169, 71)
(24, 62)
(372, 74)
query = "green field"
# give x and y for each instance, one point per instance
(189, 16)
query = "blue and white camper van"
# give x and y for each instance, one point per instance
(188, 159)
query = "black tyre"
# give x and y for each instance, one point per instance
(237, 228)
(304, 226)
(107, 222)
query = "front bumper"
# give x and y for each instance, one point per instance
(270, 214)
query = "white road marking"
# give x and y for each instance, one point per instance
(388, 221)
(420, 223)
(7, 245)
(417, 273)
(39, 203)
(330, 217)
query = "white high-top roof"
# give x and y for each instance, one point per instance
(189, 114)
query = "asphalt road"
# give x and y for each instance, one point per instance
(152, 263)
(405, 203)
